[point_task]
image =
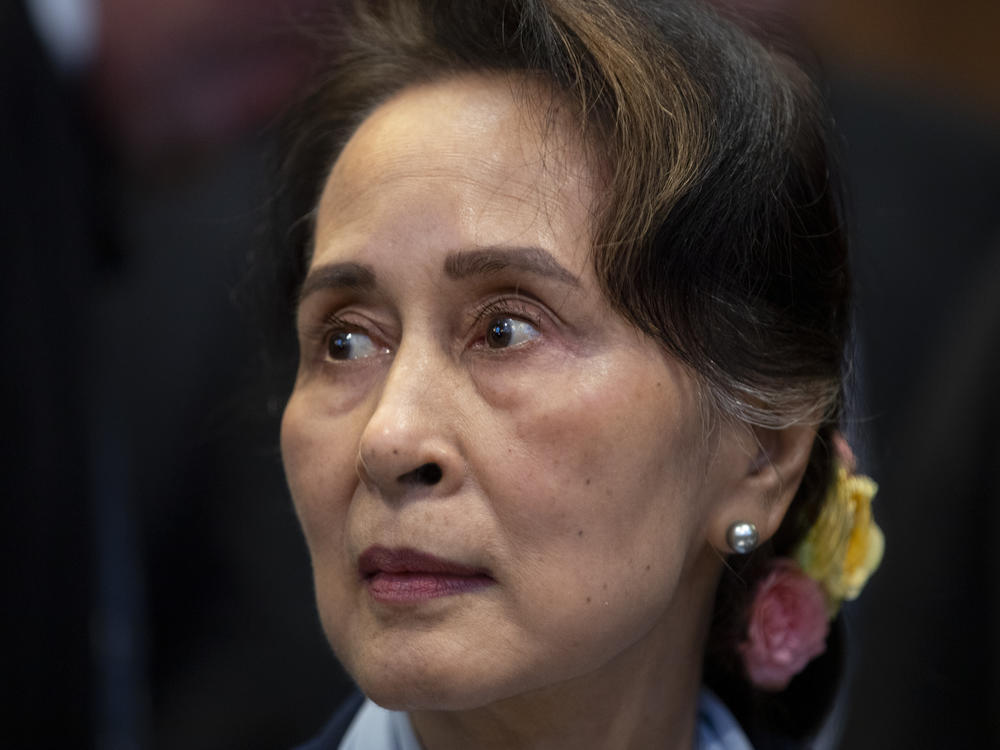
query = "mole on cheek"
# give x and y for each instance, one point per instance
(580, 532)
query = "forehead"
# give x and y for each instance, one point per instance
(473, 154)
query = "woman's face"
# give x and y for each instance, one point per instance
(503, 485)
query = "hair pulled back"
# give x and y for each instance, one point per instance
(718, 234)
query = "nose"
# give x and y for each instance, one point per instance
(410, 444)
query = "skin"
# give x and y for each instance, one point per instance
(575, 464)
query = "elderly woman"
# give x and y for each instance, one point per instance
(571, 310)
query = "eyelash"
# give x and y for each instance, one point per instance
(333, 323)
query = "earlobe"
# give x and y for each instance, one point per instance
(774, 462)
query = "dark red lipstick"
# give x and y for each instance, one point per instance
(405, 575)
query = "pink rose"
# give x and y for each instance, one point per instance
(787, 628)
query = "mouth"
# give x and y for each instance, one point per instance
(404, 575)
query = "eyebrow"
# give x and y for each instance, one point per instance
(457, 265)
(337, 276)
(491, 260)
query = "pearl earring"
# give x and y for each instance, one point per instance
(742, 537)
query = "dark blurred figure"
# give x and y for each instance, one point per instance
(156, 585)
(51, 235)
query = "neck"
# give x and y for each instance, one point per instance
(646, 697)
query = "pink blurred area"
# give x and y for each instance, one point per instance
(189, 75)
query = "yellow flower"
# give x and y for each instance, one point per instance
(844, 547)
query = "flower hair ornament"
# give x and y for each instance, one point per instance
(795, 601)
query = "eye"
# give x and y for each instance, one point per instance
(349, 345)
(506, 332)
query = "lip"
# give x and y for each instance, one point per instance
(404, 575)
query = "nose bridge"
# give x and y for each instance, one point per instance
(410, 439)
(403, 399)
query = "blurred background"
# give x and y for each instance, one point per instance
(157, 592)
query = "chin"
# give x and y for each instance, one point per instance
(416, 696)
(421, 690)
(422, 677)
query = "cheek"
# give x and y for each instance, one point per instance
(318, 452)
(606, 445)
(599, 499)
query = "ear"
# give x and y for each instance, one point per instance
(769, 468)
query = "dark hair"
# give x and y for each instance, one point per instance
(719, 234)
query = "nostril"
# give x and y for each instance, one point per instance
(429, 473)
